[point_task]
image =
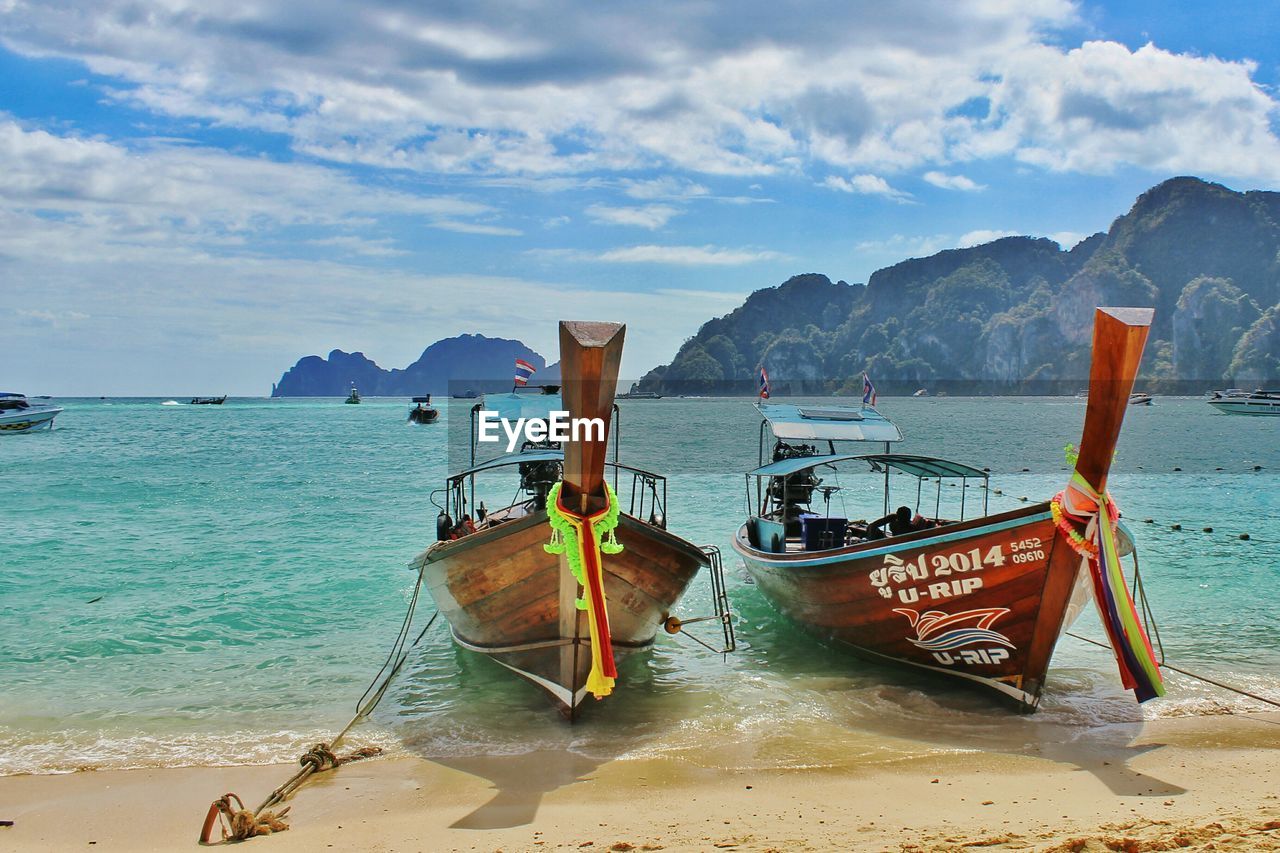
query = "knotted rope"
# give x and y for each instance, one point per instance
(1088, 520)
(238, 823)
(578, 537)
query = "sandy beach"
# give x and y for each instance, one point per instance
(1185, 783)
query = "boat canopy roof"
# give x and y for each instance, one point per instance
(515, 406)
(916, 466)
(923, 466)
(11, 394)
(426, 398)
(512, 459)
(828, 423)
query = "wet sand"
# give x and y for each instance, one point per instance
(1183, 783)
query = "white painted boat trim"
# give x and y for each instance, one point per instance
(1008, 689)
(570, 700)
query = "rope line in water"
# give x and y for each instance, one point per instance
(1241, 691)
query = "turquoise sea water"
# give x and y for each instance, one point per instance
(217, 585)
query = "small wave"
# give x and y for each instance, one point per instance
(171, 403)
(71, 751)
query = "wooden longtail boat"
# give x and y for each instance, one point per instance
(984, 599)
(504, 594)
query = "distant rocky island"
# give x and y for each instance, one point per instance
(1015, 314)
(451, 365)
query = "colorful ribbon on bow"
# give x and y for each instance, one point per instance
(1096, 513)
(578, 537)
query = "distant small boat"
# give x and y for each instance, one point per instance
(1139, 399)
(469, 394)
(921, 393)
(354, 396)
(1236, 402)
(17, 414)
(423, 412)
(636, 394)
(208, 401)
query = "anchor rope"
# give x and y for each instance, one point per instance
(1206, 679)
(239, 823)
(1140, 592)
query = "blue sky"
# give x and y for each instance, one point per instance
(194, 196)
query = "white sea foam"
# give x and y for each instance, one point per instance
(72, 750)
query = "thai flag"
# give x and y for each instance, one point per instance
(868, 391)
(524, 370)
(764, 384)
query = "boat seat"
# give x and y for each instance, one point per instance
(822, 534)
(766, 535)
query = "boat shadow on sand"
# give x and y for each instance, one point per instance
(521, 781)
(506, 733)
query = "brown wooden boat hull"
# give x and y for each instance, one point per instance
(984, 601)
(505, 597)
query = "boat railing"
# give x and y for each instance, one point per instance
(783, 515)
(719, 602)
(646, 497)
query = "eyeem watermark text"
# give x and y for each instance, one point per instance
(558, 426)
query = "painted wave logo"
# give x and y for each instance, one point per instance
(940, 632)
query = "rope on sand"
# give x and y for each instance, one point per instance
(239, 823)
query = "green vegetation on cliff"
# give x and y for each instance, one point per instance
(1018, 312)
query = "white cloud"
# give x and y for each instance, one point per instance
(686, 256)
(676, 256)
(163, 191)
(235, 324)
(1067, 239)
(866, 185)
(651, 216)
(899, 246)
(951, 182)
(475, 228)
(527, 91)
(980, 236)
(666, 187)
(383, 248)
(1100, 106)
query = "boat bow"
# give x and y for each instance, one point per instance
(1085, 511)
